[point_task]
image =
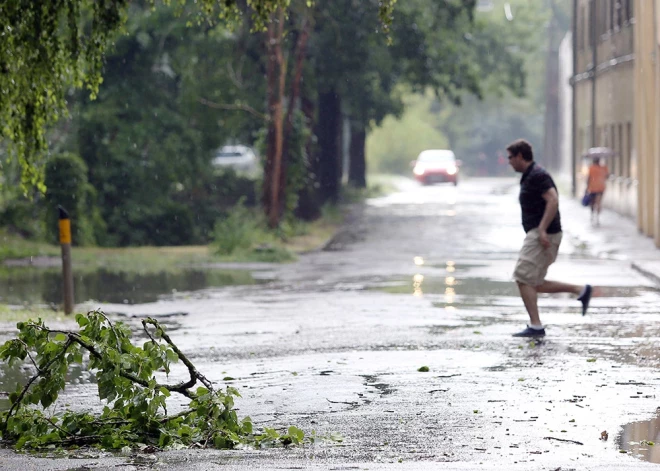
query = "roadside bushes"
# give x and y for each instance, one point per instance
(23, 216)
(244, 232)
(163, 223)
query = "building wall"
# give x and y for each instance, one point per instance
(609, 25)
(565, 105)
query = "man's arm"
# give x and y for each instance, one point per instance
(551, 206)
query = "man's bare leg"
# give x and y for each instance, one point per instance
(558, 287)
(530, 299)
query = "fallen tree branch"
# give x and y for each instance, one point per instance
(134, 403)
(194, 374)
(111, 328)
(40, 372)
(180, 388)
(563, 440)
(342, 402)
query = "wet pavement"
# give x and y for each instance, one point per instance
(37, 286)
(422, 277)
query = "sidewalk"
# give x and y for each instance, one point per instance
(616, 238)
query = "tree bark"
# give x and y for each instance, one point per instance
(309, 207)
(276, 79)
(329, 128)
(299, 54)
(357, 167)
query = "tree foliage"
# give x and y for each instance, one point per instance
(485, 127)
(52, 45)
(66, 180)
(130, 387)
(48, 47)
(505, 50)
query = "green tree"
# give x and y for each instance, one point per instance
(508, 50)
(66, 180)
(52, 45)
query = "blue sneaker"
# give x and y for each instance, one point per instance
(585, 298)
(529, 332)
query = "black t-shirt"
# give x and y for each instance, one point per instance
(533, 184)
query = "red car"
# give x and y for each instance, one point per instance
(436, 165)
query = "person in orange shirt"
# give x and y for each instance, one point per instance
(596, 183)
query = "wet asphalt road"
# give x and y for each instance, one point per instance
(423, 278)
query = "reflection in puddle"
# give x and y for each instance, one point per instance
(11, 377)
(417, 284)
(450, 286)
(642, 440)
(484, 289)
(38, 286)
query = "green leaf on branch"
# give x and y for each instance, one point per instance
(136, 409)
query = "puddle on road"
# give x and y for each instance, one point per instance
(11, 376)
(642, 440)
(450, 286)
(37, 285)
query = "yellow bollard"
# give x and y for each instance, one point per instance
(67, 272)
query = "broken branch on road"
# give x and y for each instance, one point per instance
(563, 440)
(134, 402)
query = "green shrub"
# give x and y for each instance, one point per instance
(23, 217)
(239, 230)
(161, 224)
(66, 183)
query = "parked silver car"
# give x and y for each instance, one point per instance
(238, 157)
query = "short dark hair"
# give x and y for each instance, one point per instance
(521, 146)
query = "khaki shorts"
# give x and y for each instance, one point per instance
(534, 259)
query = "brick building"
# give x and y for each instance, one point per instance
(616, 102)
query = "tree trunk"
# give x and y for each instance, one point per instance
(329, 129)
(299, 54)
(276, 78)
(357, 167)
(309, 206)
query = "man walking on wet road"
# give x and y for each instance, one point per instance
(539, 203)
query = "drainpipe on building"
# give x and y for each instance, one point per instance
(594, 58)
(656, 127)
(574, 143)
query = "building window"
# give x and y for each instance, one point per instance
(611, 8)
(619, 14)
(592, 27)
(581, 30)
(621, 158)
(629, 148)
(614, 145)
(581, 142)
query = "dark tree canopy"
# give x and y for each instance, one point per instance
(50, 46)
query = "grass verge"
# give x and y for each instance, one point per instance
(11, 314)
(302, 238)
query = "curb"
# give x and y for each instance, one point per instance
(649, 274)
